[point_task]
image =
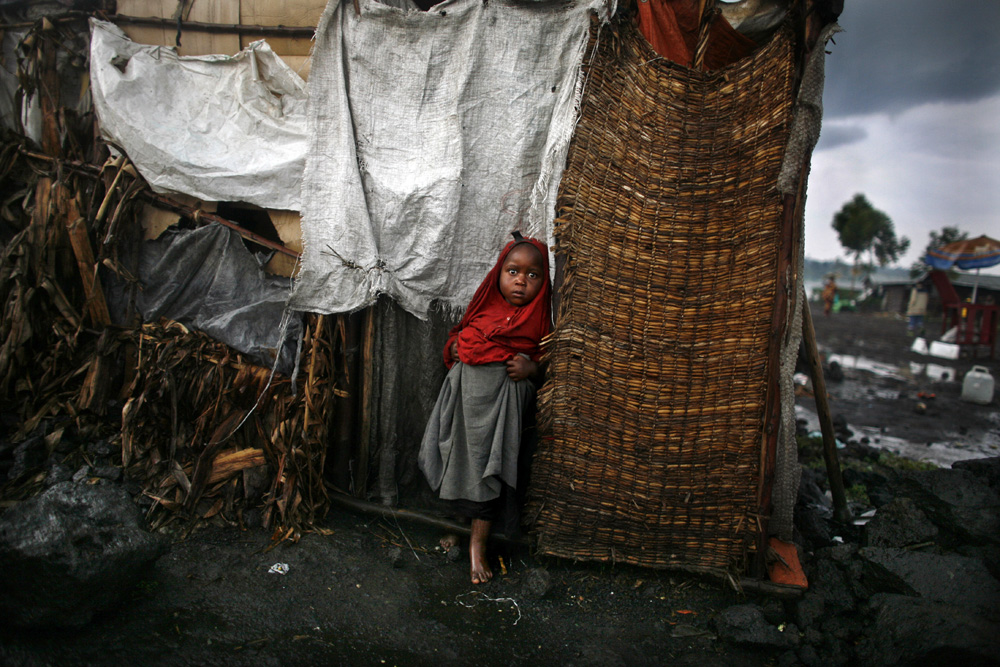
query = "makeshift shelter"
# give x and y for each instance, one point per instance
(208, 429)
(667, 425)
(973, 325)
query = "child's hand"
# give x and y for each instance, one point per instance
(453, 351)
(520, 368)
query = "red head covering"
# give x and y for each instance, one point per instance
(493, 330)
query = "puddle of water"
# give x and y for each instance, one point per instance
(887, 394)
(864, 364)
(942, 454)
(931, 371)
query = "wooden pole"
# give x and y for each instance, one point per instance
(201, 217)
(305, 32)
(366, 379)
(347, 402)
(841, 513)
(706, 15)
(167, 204)
(416, 516)
(311, 375)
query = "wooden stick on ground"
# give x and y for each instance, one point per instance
(414, 515)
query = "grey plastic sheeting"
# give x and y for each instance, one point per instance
(207, 279)
(218, 128)
(432, 135)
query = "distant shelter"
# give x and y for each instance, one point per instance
(895, 293)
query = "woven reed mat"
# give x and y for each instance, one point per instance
(669, 223)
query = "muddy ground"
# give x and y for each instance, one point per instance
(898, 399)
(373, 591)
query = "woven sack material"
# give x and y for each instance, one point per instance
(669, 225)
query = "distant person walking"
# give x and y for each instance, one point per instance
(916, 309)
(829, 295)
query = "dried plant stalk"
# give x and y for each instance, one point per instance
(200, 415)
(205, 433)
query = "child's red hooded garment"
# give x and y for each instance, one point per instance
(493, 330)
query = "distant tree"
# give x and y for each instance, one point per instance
(865, 230)
(939, 238)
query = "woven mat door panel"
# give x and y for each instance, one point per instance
(669, 222)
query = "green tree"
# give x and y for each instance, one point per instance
(865, 230)
(944, 236)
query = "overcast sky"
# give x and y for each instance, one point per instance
(911, 120)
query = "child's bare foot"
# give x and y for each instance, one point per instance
(480, 567)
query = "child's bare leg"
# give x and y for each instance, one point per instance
(481, 572)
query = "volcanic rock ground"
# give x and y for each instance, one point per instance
(375, 591)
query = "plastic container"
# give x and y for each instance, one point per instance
(944, 350)
(978, 386)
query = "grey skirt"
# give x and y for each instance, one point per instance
(473, 436)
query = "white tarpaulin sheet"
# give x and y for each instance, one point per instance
(432, 135)
(219, 128)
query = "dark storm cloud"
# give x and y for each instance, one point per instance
(897, 54)
(834, 135)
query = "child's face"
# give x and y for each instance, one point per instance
(521, 276)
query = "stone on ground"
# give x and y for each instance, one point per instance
(70, 552)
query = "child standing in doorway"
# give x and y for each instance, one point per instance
(470, 447)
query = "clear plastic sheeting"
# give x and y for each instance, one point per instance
(218, 128)
(432, 136)
(8, 79)
(207, 279)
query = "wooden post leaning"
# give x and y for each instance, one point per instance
(841, 513)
